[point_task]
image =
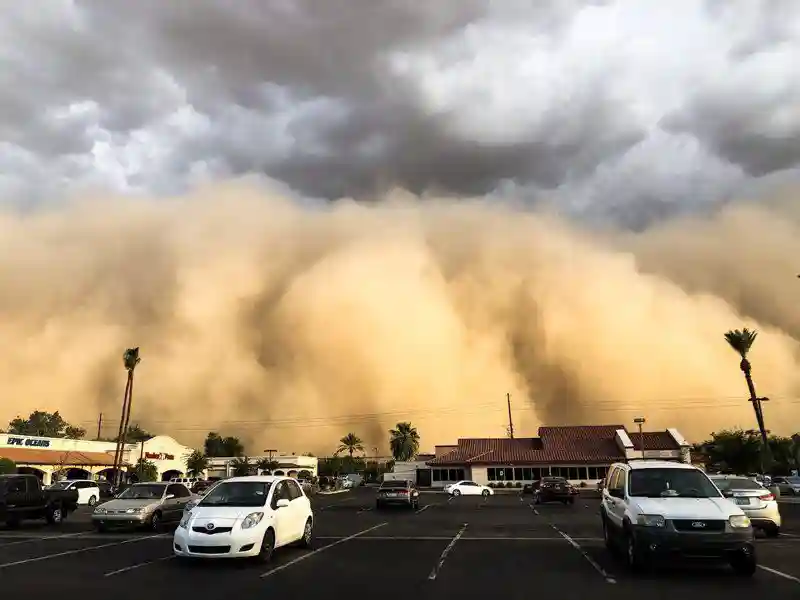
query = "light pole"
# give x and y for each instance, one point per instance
(640, 421)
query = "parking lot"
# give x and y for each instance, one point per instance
(500, 547)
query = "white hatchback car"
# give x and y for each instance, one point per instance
(246, 517)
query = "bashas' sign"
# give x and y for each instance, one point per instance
(158, 456)
(18, 441)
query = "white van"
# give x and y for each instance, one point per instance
(187, 481)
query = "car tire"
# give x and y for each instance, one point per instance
(100, 527)
(308, 535)
(55, 514)
(485, 494)
(154, 524)
(92, 500)
(456, 492)
(267, 547)
(634, 557)
(607, 539)
(744, 565)
(772, 532)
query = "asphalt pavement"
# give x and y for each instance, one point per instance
(502, 547)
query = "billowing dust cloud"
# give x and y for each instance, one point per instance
(292, 325)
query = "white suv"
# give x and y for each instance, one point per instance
(656, 508)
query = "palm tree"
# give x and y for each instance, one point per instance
(741, 340)
(404, 441)
(350, 443)
(267, 464)
(129, 359)
(196, 464)
(241, 466)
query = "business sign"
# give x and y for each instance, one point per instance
(158, 456)
(662, 454)
(29, 442)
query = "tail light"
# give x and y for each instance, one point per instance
(767, 497)
(404, 492)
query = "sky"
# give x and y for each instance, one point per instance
(480, 184)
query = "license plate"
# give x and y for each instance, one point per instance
(391, 495)
(742, 500)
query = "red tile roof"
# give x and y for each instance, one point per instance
(31, 456)
(555, 445)
(654, 440)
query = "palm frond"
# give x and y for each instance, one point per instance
(741, 340)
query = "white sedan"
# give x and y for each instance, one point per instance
(246, 517)
(468, 488)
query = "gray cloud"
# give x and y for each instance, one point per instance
(612, 110)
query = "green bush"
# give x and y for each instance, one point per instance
(509, 484)
(492, 484)
(7, 466)
(518, 484)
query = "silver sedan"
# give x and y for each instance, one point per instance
(755, 500)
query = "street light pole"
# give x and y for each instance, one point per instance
(640, 421)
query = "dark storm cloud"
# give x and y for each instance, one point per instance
(555, 100)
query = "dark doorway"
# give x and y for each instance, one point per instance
(424, 477)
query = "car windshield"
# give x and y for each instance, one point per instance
(394, 484)
(670, 483)
(142, 492)
(60, 485)
(238, 493)
(736, 483)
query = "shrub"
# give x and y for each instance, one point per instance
(509, 484)
(583, 484)
(492, 484)
(518, 484)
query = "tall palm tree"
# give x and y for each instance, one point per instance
(741, 340)
(404, 441)
(129, 360)
(350, 443)
(267, 464)
(241, 466)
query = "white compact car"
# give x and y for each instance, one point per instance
(468, 488)
(653, 510)
(88, 490)
(246, 517)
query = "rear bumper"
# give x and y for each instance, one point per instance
(699, 545)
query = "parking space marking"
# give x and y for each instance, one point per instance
(139, 565)
(340, 502)
(780, 573)
(77, 551)
(424, 508)
(438, 566)
(363, 510)
(791, 535)
(589, 559)
(318, 550)
(441, 538)
(44, 539)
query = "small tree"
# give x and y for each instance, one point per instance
(7, 466)
(196, 464)
(265, 464)
(241, 466)
(145, 471)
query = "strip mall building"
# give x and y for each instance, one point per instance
(578, 453)
(85, 459)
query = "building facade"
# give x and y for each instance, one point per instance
(220, 467)
(59, 458)
(581, 454)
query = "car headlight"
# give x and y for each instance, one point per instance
(100, 510)
(651, 520)
(739, 521)
(184, 522)
(252, 520)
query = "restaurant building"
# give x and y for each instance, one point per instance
(290, 465)
(60, 458)
(581, 454)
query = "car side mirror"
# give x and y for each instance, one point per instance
(616, 493)
(169, 496)
(282, 503)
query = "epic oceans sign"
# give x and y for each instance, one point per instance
(31, 443)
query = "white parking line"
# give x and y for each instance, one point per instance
(780, 573)
(318, 550)
(438, 566)
(77, 551)
(139, 565)
(589, 559)
(441, 538)
(44, 539)
(363, 510)
(424, 508)
(790, 535)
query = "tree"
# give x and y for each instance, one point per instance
(742, 342)
(266, 464)
(350, 443)
(130, 359)
(45, 424)
(196, 464)
(241, 466)
(145, 470)
(137, 435)
(404, 441)
(7, 466)
(216, 445)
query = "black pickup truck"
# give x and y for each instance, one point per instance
(22, 497)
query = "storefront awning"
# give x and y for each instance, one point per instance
(57, 458)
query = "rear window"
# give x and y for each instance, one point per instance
(394, 484)
(737, 483)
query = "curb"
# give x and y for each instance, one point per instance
(332, 493)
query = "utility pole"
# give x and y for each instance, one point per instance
(640, 421)
(510, 421)
(99, 426)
